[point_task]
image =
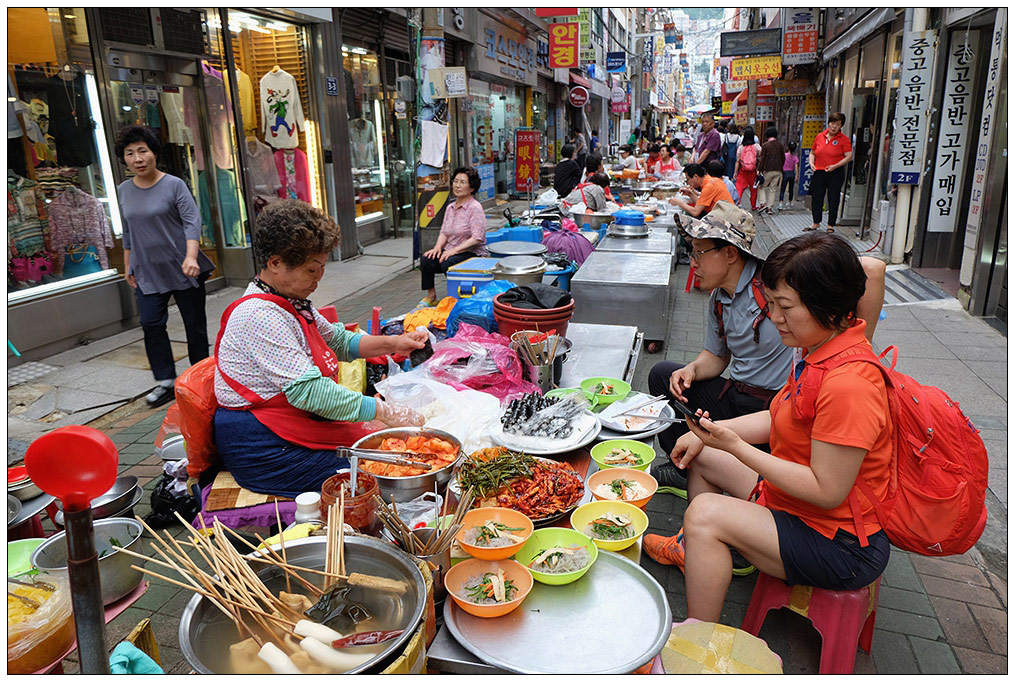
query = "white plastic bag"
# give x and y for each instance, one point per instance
(548, 197)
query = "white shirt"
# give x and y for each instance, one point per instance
(279, 90)
(630, 162)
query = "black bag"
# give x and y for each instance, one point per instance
(165, 503)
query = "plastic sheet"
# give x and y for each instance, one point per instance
(478, 360)
(195, 393)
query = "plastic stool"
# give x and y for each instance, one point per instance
(843, 618)
(692, 278)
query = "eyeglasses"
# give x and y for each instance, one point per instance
(696, 254)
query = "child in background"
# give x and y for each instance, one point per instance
(788, 181)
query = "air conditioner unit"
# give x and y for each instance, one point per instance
(158, 29)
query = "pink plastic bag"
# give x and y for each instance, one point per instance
(569, 225)
(478, 360)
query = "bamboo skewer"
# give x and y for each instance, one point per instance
(282, 542)
(342, 530)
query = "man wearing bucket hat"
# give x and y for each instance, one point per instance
(739, 333)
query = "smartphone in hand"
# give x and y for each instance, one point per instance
(684, 409)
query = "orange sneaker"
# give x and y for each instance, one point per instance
(668, 551)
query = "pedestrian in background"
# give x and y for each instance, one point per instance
(579, 141)
(771, 163)
(746, 159)
(731, 141)
(162, 230)
(831, 151)
(708, 142)
(567, 173)
(788, 182)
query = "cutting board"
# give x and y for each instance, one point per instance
(227, 494)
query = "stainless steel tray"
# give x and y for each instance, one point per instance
(612, 620)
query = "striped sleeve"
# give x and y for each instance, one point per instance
(344, 343)
(324, 397)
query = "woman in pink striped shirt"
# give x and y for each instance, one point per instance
(463, 233)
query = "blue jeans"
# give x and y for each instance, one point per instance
(261, 461)
(153, 315)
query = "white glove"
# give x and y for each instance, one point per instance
(397, 415)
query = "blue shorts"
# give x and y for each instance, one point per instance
(810, 558)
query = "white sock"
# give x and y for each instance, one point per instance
(168, 383)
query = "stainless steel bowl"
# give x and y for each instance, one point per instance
(409, 487)
(24, 491)
(126, 512)
(173, 448)
(595, 220)
(205, 633)
(116, 577)
(627, 231)
(113, 500)
(13, 508)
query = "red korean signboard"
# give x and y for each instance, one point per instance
(527, 160)
(801, 35)
(563, 45)
(557, 11)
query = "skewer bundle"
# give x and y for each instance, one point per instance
(540, 349)
(438, 541)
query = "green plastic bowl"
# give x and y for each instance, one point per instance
(622, 389)
(640, 449)
(19, 555)
(546, 538)
(561, 392)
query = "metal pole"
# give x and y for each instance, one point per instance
(86, 592)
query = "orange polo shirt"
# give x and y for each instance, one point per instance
(852, 410)
(713, 191)
(832, 151)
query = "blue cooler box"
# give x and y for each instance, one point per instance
(466, 278)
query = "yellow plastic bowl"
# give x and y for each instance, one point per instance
(546, 538)
(464, 570)
(608, 475)
(582, 516)
(508, 517)
(640, 449)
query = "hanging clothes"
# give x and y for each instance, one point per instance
(281, 111)
(220, 119)
(77, 218)
(177, 132)
(292, 168)
(363, 148)
(230, 209)
(246, 94)
(70, 120)
(262, 170)
(27, 224)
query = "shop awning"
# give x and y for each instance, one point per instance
(763, 90)
(579, 80)
(872, 21)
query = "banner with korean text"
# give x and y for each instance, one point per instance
(527, 160)
(954, 123)
(801, 35)
(754, 68)
(918, 54)
(563, 44)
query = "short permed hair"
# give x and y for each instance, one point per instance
(472, 175)
(295, 231)
(694, 170)
(136, 134)
(825, 272)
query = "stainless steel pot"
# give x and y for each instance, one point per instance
(595, 220)
(24, 491)
(520, 269)
(512, 248)
(13, 508)
(205, 633)
(113, 500)
(116, 577)
(626, 231)
(405, 488)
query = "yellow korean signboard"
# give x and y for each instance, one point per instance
(754, 68)
(727, 107)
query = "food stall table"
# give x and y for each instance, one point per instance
(632, 289)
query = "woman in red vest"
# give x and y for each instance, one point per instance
(282, 412)
(828, 432)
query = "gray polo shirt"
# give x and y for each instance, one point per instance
(765, 364)
(158, 222)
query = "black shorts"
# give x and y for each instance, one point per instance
(810, 558)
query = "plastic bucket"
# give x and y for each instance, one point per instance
(534, 313)
(509, 324)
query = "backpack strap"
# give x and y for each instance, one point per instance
(764, 308)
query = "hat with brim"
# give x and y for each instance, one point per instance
(725, 222)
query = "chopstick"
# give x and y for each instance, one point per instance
(652, 400)
(384, 456)
(665, 419)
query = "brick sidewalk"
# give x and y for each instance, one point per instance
(935, 616)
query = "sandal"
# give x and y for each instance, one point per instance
(810, 228)
(831, 230)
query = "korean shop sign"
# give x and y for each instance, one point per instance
(527, 160)
(801, 35)
(586, 51)
(563, 44)
(954, 123)
(615, 62)
(754, 68)
(503, 52)
(912, 116)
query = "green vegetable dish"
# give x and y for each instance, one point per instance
(490, 588)
(610, 527)
(603, 389)
(492, 534)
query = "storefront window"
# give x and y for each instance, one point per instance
(366, 109)
(60, 188)
(497, 113)
(279, 131)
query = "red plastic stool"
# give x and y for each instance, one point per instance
(692, 279)
(844, 619)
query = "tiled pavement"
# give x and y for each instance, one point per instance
(936, 616)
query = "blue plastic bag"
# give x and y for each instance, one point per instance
(477, 310)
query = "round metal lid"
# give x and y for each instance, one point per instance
(520, 264)
(508, 248)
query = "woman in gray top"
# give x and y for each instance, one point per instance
(162, 228)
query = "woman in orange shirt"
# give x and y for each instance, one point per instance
(830, 153)
(805, 532)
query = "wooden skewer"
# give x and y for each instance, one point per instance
(285, 567)
(342, 531)
(282, 542)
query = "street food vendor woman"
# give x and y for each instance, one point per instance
(281, 411)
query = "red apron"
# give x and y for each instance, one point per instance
(276, 413)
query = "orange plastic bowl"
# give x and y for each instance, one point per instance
(508, 517)
(608, 475)
(457, 576)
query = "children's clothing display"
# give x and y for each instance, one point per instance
(292, 167)
(281, 112)
(78, 219)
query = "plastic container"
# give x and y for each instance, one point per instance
(629, 217)
(512, 319)
(582, 517)
(502, 515)
(359, 511)
(545, 538)
(621, 389)
(467, 277)
(308, 507)
(464, 570)
(607, 475)
(640, 449)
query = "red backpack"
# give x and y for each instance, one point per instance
(939, 470)
(748, 158)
